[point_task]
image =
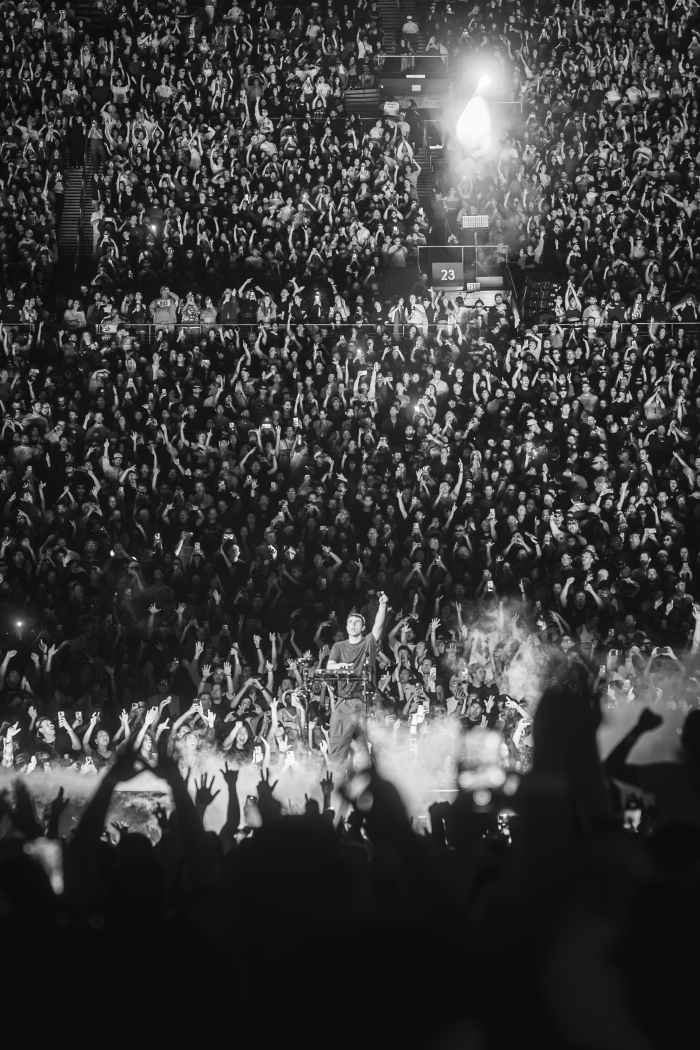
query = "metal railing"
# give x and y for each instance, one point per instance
(662, 331)
(416, 54)
(409, 63)
(501, 247)
(403, 328)
(509, 283)
(194, 332)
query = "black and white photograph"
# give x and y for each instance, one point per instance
(350, 522)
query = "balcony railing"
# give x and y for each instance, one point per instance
(151, 334)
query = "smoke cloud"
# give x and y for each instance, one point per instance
(422, 766)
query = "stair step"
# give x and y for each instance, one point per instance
(96, 19)
(75, 236)
(363, 101)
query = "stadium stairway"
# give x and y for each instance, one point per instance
(393, 17)
(93, 15)
(87, 243)
(71, 217)
(365, 102)
(431, 163)
(426, 179)
(75, 234)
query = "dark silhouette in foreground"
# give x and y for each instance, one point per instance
(302, 927)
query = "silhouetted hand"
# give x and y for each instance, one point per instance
(167, 766)
(265, 788)
(230, 777)
(204, 796)
(649, 720)
(128, 763)
(312, 808)
(270, 808)
(57, 806)
(23, 814)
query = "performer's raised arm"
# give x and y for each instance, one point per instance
(380, 618)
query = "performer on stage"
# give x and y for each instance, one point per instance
(356, 657)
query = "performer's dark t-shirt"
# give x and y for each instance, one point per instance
(363, 657)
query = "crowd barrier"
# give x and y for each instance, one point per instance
(150, 333)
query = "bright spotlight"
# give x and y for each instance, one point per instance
(474, 126)
(484, 84)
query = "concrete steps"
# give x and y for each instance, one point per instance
(97, 21)
(393, 17)
(69, 228)
(365, 102)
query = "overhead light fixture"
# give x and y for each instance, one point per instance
(474, 126)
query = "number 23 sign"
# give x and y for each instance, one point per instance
(447, 273)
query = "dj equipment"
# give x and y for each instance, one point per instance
(335, 678)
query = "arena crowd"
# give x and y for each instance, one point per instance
(256, 416)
